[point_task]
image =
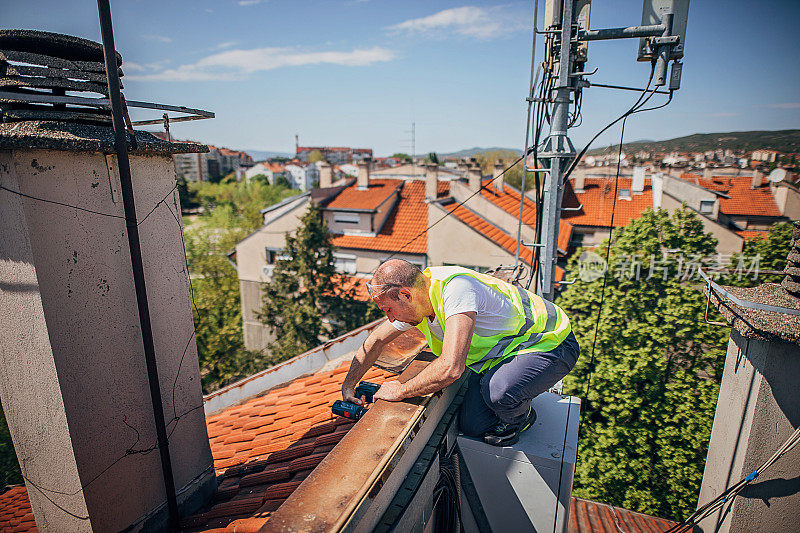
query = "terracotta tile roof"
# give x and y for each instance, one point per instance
(752, 233)
(743, 200)
(586, 516)
(490, 231)
(598, 200)
(408, 219)
(265, 447)
(508, 201)
(15, 511)
(375, 195)
(356, 283)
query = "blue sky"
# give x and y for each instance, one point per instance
(348, 72)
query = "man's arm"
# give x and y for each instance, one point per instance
(445, 369)
(365, 357)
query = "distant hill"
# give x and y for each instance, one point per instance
(471, 152)
(780, 140)
(261, 155)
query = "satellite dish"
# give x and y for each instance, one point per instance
(777, 175)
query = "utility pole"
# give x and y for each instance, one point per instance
(662, 34)
(413, 149)
(559, 152)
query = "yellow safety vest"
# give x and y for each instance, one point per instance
(539, 325)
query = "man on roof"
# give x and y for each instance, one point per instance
(514, 344)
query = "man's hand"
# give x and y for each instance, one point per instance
(349, 395)
(391, 391)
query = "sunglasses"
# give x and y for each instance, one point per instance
(378, 289)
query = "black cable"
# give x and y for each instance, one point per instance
(608, 252)
(468, 198)
(621, 117)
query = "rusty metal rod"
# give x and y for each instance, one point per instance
(121, 147)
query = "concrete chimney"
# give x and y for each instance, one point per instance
(498, 176)
(325, 174)
(73, 376)
(431, 181)
(580, 182)
(362, 180)
(474, 176)
(756, 181)
(708, 172)
(462, 167)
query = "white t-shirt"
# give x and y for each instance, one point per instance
(464, 293)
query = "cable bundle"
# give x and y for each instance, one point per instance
(726, 497)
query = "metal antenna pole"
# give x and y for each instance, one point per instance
(559, 151)
(123, 163)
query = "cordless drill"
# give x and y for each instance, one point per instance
(352, 410)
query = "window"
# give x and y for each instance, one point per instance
(274, 254)
(706, 207)
(346, 218)
(345, 263)
(624, 193)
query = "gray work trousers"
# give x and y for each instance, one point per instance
(504, 393)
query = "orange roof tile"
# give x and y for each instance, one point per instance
(752, 234)
(402, 229)
(15, 511)
(377, 192)
(586, 516)
(265, 447)
(508, 201)
(598, 201)
(359, 285)
(743, 199)
(491, 232)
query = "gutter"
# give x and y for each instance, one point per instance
(353, 486)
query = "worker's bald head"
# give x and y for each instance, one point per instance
(397, 273)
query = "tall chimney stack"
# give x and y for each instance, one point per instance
(499, 177)
(474, 175)
(580, 182)
(325, 174)
(362, 180)
(756, 181)
(73, 375)
(708, 172)
(431, 181)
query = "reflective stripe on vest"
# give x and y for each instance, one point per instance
(486, 352)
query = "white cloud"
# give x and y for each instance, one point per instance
(249, 2)
(238, 64)
(720, 115)
(156, 38)
(785, 105)
(467, 21)
(130, 66)
(226, 44)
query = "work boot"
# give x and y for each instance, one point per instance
(504, 434)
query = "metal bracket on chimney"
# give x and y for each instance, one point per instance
(572, 208)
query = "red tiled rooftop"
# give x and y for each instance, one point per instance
(408, 219)
(508, 201)
(598, 201)
(265, 447)
(586, 516)
(743, 199)
(490, 231)
(15, 511)
(369, 199)
(752, 233)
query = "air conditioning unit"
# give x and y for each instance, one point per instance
(527, 486)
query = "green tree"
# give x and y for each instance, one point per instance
(315, 156)
(305, 302)
(770, 252)
(404, 158)
(647, 418)
(9, 467)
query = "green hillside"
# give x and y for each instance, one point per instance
(781, 140)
